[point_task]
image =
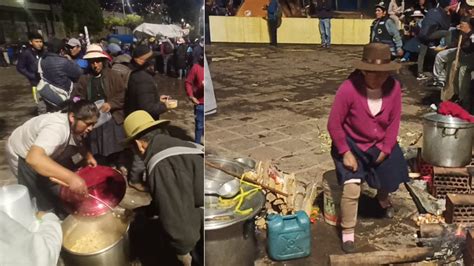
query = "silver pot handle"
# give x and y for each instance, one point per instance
(455, 134)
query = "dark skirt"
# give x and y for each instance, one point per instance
(106, 139)
(386, 176)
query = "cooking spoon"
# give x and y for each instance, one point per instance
(57, 181)
(227, 190)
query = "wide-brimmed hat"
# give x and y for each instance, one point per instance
(376, 57)
(470, 3)
(94, 51)
(139, 121)
(417, 13)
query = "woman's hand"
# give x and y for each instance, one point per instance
(349, 161)
(381, 158)
(164, 98)
(91, 161)
(194, 100)
(78, 185)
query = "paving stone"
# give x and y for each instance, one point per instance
(264, 153)
(223, 123)
(268, 137)
(241, 144)
(220, 136)
(246, 129)
(293, 145)
(294, 130)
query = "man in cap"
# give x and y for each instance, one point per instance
(435, 26)
(58, 73)
(104, 84)
(175, 179)
(166, 50)
(142, 94)
(384, 30)
(73, 48)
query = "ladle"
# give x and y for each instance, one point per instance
(57, 181)
(227, 190)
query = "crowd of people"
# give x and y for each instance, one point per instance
(102, 100)
(436, 29)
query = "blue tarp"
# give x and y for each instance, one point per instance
(124, 38)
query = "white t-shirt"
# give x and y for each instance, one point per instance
(48, 131)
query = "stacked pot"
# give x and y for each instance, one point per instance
(447, 140)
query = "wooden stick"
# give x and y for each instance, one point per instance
(448, 90)
(59, 182)
(247, 179)
(378, 257)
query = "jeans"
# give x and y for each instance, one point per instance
(272, 30)
(437, 35)
(199, 122)
(440, 65)
(166, 59)
(325, 30)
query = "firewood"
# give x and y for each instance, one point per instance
(270, 197)
(431, 230)
(278, 202)
(374, 258)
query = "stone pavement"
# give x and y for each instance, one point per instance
(273, 104)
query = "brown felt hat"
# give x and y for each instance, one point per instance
(376, 57)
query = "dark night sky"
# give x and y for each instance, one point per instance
(138, 6)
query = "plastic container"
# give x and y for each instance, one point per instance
(15, 202)
(288, 237)
(104, 117)
(332, 199)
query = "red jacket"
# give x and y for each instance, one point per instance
(195, 83)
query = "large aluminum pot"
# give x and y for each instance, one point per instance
(90, 241)
(447, 141)
(230, 237)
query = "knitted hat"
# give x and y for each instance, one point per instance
(140, 51)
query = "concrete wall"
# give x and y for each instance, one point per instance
(292, 30)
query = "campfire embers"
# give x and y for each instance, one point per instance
(447, 240)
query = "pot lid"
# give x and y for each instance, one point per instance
(446, 119)
(102, 182)
(218, 214)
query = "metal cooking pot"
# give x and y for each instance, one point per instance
(447, 141)
(230, 237)
(90, 241)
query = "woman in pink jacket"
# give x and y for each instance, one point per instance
(363, 124)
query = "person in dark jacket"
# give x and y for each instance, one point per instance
(435, 26)
(198, 50)
(181, 58)
(104, 84)
(59, 71)
(28, 62)
(272, 20)
(323, 11)
(384, 30)
(175, 182)
(142, 94)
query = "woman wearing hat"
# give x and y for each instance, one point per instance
(103, 84)
(412, 46)
(363, 124)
